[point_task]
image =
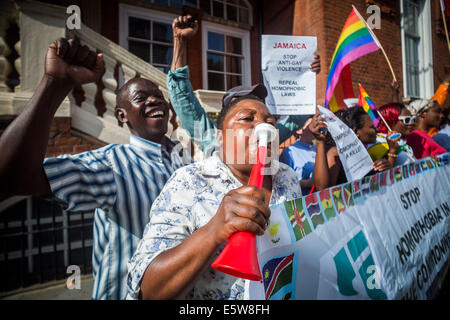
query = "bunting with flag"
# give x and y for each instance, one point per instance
(279, 276)
(362, 252)
(354, 42)
(366, 102)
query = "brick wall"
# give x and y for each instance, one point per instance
(310, 20)
(63, 139)
(325, 20)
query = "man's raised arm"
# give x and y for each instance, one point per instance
(23, 143)
(190, 112)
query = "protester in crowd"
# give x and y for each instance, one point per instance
(191, 114)
(119, 181)
(202, 205)
(443, 136)
(428, 114)
(400, 120)
(361, 123)
(301, 157)
(440, 96)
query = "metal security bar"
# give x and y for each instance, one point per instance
(39, 240)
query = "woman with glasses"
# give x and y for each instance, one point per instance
(428, 115)
(399, 119)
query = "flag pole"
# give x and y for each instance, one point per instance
(445, 28)
(377, 41)
(381, 117)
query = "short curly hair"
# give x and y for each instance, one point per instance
(352, 117)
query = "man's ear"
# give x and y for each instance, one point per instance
(121, 116)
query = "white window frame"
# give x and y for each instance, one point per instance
(425, 54)
(231, 31)
(125, 11)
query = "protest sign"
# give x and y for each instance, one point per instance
(386, 236)
(354, 157)
(290, 83)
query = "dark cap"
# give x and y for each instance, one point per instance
(258, 90)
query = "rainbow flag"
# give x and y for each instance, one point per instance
(342, 91)
(354, 42)
(368, 105)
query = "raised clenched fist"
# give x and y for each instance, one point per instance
(72, 63)
(184, 27)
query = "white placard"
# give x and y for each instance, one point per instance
(285, 66)
(354, 157)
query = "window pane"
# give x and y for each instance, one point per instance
(215, 62)
(412, 48)
(234, 45)
(231, 13)
(216, 81)
(217, 9)
(162, 32)
(142, 50)
(411, 17)
(162, 54)
(176, 4)
(190, 3)
(412, 66)
(216, 42)
(243, 16)
(161, 2)
(243, 4)
(233, 81)
(413, 81)
(233, 1)
(205, 5)
(139, 28)
(234, 65)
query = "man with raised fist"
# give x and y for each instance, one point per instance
(119, 182)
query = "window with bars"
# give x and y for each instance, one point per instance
(224, 61)
(226, 57)
(151, 41)
(147, 34)
(226, 50)
(38, 241)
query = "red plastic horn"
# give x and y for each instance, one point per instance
(239, 257)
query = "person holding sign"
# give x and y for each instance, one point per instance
(193, 117)
(202, 205)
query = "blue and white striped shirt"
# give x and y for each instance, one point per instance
(120, 182)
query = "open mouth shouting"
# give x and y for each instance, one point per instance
(155, 113)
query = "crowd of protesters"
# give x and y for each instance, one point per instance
(160, 219)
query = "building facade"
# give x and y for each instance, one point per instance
(136, 39)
